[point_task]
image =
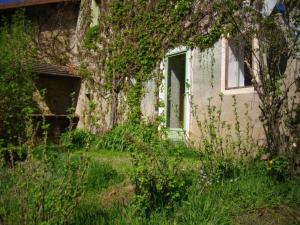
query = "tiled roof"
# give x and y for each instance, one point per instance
(54, 70)
(8, 4)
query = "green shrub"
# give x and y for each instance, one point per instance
(17, 56)
(183, 148)
(160, 181)
(75, 139)
(117, 139)
(12, 154)
(279, 168)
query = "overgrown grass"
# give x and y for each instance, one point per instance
(108, 198)
(44, 188)
(231, 189)
(221, 203)
(215, 204)
(233, 192)
(102, 175)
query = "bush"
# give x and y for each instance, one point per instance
(279, 168)
(17, 56)
(160, 182)
(76, 139)
(117, 139)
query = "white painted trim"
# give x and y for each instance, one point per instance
(235, 91)
(95, 12)
(238, 91)
(255, 58)
(177, 50)
(161, 110)
(188, 80)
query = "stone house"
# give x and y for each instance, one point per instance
(191, 77)
(55, 22)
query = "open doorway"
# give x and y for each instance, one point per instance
(176, 87)
(174, 92)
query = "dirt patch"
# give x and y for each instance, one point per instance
(120, 194)
(282, 215)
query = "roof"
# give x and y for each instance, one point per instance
(54, 70)
(9, 4)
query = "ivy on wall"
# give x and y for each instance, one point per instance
(132, 38)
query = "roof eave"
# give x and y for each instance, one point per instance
(24, 3)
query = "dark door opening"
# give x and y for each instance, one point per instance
(176, 90)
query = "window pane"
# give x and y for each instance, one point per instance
(238, 74)
(234, 67)
(176, 91)
(247, 57)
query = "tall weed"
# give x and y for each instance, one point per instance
(224, 146)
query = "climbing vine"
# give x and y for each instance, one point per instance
(134, 37)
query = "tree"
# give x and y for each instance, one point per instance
(273, 67)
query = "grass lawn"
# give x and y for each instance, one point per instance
(253, 198)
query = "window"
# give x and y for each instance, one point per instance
(238, 74)
(176, 90)
(236, 77)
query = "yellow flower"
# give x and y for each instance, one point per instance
(271, 162)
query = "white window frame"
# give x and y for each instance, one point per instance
(95, 13)
(224, 70)
(164, 92)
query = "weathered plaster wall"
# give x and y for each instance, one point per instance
(56, 31)
(203, 66)
(60, 30)
(149, 101)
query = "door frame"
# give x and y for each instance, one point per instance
(179, 134)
